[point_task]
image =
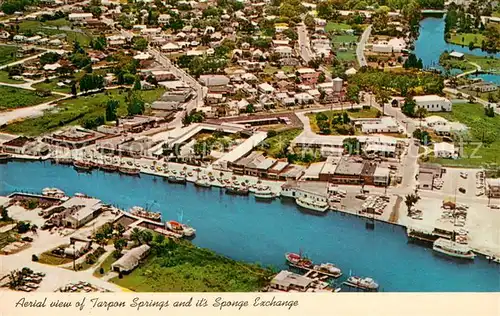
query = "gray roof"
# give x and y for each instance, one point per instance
(131, 258)
(213, 80)
(346, 167)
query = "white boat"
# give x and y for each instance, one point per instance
(264, 194)
(453, 249)
(328, 268)
(311, 204)
(180, 228)
(362, 283)
(202, 183)
(53, 192)
(143, 213)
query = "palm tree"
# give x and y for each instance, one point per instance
(34, 229)
(146, 237)
(410, 200)
(421, 113)
(136, 235)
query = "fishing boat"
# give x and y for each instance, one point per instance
(129, 171)
(183, 229)
(141, 212)
(265, 194)
(53, 192)
(237, 190)
(298, 260)
(311, 204)
(453, 249)
(177, 179)
(367, 284)
(202, 183)
(329, 268)
(83, 165)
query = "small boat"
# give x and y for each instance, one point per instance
(453, 249)
(311, 204)
(141, 212)
(177, 179)
(183, 229)
(53, 192)
(109, 168)
(202, 183)
(237, 190)
(129, 171)
(63, 161)
(298, 260)
(367, 284)
(83, 166)
(328, 268)
(264, 195)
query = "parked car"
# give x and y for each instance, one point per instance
(461, 190)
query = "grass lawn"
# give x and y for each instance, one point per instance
(355, 113)
(332, 26)
(48, 258)
(7, 54)
(76, 111)
(486, 63)
(482, 95)
(6, 238)
(346, 56)
(52, 86)
(46, 28)
(276, 146)
(270, 70)
(483, 135)
(16, 98)
(4, 77)
(106, 265)
(345, 39)
(467, 38)
(183, 267)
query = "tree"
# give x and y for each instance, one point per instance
(321, 77)
(91, 82)
(271, 133)
(471, 45)
(146, 237)
(352, 145)
(135, 235)
(421, 112)
(309, 21)
(410, 201)
(352, 94)
(135, 105)
(73, 89)
(408, 107)
(139, 43)
(250, 108)
(49, 58)
(111, 107)
(119, 244)
(382, 97)
(4, 214)
(137, 84)
(98, 43)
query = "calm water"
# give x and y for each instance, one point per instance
(243, 229)
(431, 44)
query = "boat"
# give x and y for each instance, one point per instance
(264, 195)
(129, 171)
(311, 204)
(177, 179)
(237, 190)
(63, 161)
(183, 229)
(141, 212)
(83, 165)
(298, 260)
(329, 268)
(107, 167)
(202, 183)
(367, 284)
(4, 157)
(53, 192)
(453, 249)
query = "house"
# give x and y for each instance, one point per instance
(381, 176)
(164, 18)
(286, 281)
(78, 17)
(444, 150)
(25, 146)
(433, 103)
(130, 259)
(266, 88)
(381, 125)
(284, 51)
(215, 83)
(308, 76)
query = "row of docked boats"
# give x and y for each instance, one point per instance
(87, 166)
(173, 226)
(330, 270)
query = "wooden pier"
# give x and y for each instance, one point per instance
(312, 273)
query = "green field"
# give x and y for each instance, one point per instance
(276, 146)
(346, 56)
(7, 54)
(52, 86)
(345, 39)
(182, 267)
(75, 112)
(48, 29)
(355, 113)
(16, 98)
(486, 63)
(270, 70)
(467, 38)
(481, 145)
(332, 26)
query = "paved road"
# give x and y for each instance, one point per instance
(478, 68)
(304, 44)
(361, 46)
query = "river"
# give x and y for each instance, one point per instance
(431, 44)
(243, 229)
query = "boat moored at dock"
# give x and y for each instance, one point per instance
(366, 284)
(202, 183)
(129, 171)
(53, 192)
(453, 249)
(83, 165)
(328, 268)
(237, 190)
(177, 179)
(311, 204)
(183, 229)
(264, 194)
(298, 260)
(109, 168)
(141, 212)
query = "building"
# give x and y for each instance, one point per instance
(287, 281)
(380, 125)
(75, 212)
(79, 17)
(381, 176)
(130, 259)
(457, 55)
(215, 83)
(138, 123)
(445, 150)
(433, 103)
(25, 146)
(347, 172)
(292, 190)
(284, 51)
(73, 137)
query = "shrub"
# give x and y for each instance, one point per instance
(101, 270)
(34, 258)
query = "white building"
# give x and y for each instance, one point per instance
(284, 51)
(433, 103)
(79, 16)
(382, 125)
(444, 150)
(130, 259)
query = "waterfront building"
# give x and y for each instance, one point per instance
(25, 146)
(75, 212)
(286, 281)
(291, 189)
(73, 137)
(130, 259)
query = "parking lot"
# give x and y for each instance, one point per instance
(453, 181)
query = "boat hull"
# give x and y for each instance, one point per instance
(450, 254)
(310, 207)
(232, 191)
(176, 181)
